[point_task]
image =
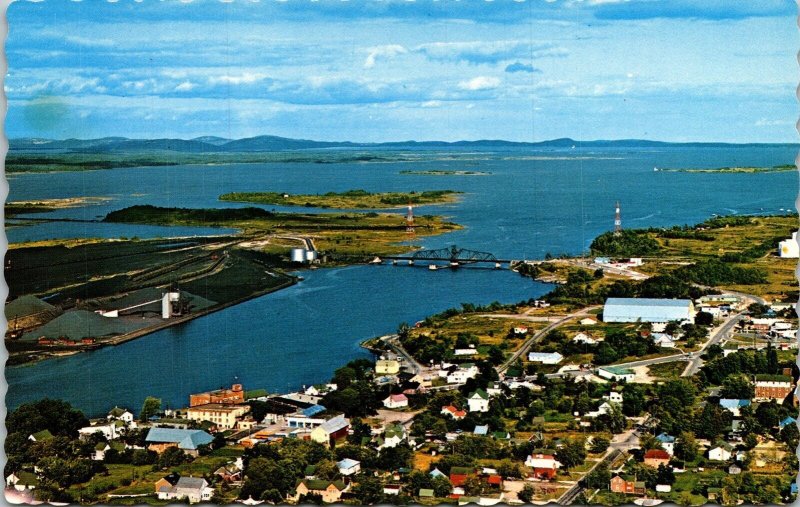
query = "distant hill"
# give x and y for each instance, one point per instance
(213, 144)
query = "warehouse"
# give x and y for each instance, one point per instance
(648, 310)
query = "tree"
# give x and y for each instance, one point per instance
(171, 457)
(527, 493)
(686, 448)
(369, 490)
(737, 387)
(633, 400)
(572, 453)
(56, 416)
(599, 477)
(703, 319)
(599, 445)
(790, 435)
(441, 486)
(712, 421)
(150, 407)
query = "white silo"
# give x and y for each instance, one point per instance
(298, 255)
(311, 255)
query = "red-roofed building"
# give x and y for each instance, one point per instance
(495, 480)
(453, 412)
(655, 457)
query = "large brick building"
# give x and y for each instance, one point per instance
(773, 387)
(232, 396)
(222, 416)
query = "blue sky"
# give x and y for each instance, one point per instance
(388, 70)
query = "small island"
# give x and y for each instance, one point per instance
(345, 200)
(733, 170)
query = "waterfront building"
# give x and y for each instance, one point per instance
(121, 414)
(234, 395)
(224, 417)
(648, 310)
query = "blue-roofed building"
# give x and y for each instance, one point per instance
(313, 410)
(349, 466)
(189, 441)
(793, 488)
(481, 429)
(733, 405)
(648, 310)
(786, 422)
(667, 442)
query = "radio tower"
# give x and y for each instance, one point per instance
(410, 219)
(617, 221)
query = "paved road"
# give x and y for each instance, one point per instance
(392, 340)
(723, 332)
(572, 493)
(537, 336)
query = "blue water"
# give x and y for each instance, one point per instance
(533, 203)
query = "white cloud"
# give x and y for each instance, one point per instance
(388, 51)
(479, 83)
(185, 86)
(765, 122)
(432, 103)
(244, 78)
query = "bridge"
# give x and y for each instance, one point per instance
(453, 255)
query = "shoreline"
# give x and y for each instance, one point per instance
(139, 333)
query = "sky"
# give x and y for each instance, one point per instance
(393, 70)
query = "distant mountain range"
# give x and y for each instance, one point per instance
(213, 144)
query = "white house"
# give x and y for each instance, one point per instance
(664, 340)
(120, 414)
(601, 410)
(667, 442)
(110, 431)
(720, 452)
(588, 322)
(471, 351)
(613, 397)
(545, 357)
(22, 481)
(349, 466)
(195, 489)
(463, 373)
(478, 401)
(494, 389)
(584, 338)
(520, 330)
(392, 436)
(396, 401)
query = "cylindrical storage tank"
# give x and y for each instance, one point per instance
(298, 255)
(311, 255)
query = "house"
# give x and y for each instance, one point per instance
(349, 466)
(734, 469)
(436, 473)
(110, 431)
(520, 330)
(392, 489)
(453, 412)
(223, 416)
(648, 310)
(481, 429)
(40, 436)
(161, 439)
(387, 367)
(545, 357)
(396, 401)
(667, 442)
(230, 474)
(773, 387)
(664, 340)
(613, 397)
(584, 338)
(626, 487)
(392, 436)
(101, 448)
(544, 466)
(120, 414)
(588, 322)
(663, 488)
(232, 396)
(320, 389)
(733, 405)
(478, 401)
(193, 489)
(656, 457)
(494, 389)
(722, 451)
(331, 429)
(22, 481)
(471, 351)
(459, 476)
(604, 408)
(426, 493)
(616, 373)
(330, 491)
(462, 373)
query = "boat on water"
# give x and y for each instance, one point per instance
(433, 267)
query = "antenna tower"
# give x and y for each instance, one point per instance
(617, 221)
(410, 219)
